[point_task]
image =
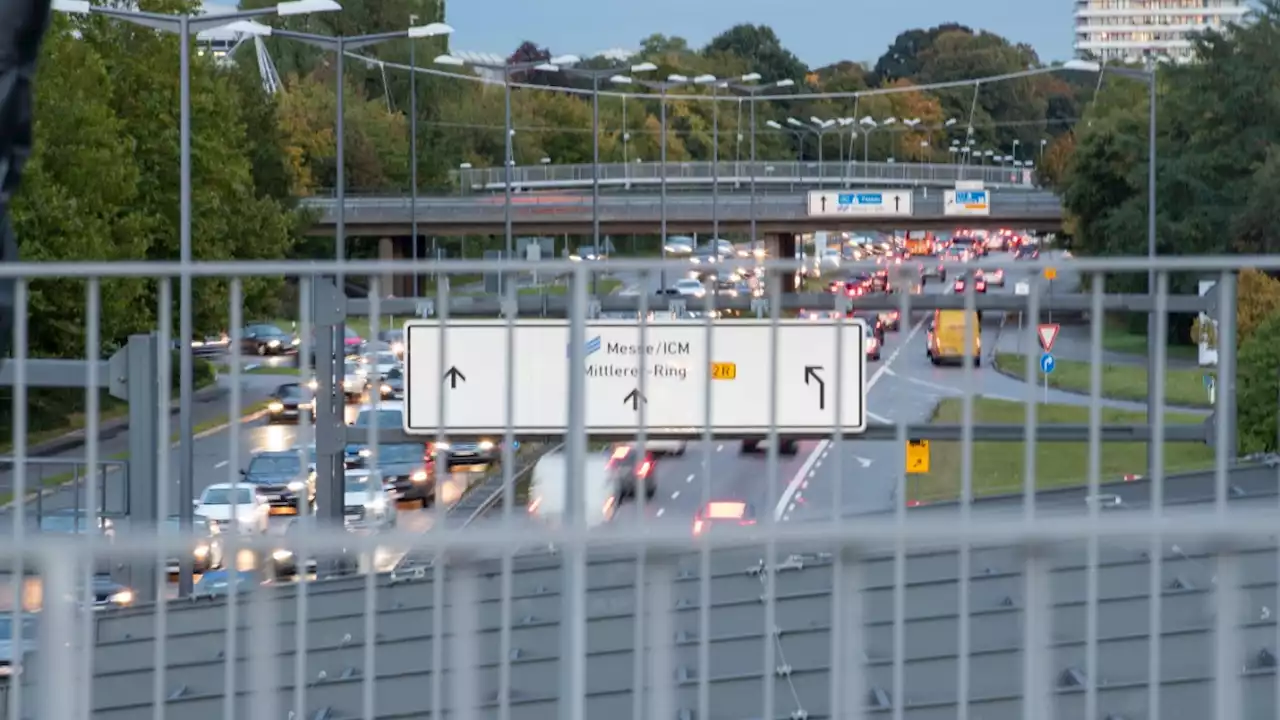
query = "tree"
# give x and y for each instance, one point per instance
(762, 51)
(1258, 388)
(902, 60)
(1057, 159)
(1257, 300)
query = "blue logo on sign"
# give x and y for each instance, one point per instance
(860, 199)
(971, 197)
(592, 346)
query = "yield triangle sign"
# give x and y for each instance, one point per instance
(1048, 333)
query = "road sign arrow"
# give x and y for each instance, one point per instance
(897, 203)
(823, 200)
(635, 398)
(811, 373)
(864, 462)
(453, 375)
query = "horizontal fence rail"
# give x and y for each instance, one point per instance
(640, 506)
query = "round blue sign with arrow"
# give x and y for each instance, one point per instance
(1046, 363)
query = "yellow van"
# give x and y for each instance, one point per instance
(945, 342)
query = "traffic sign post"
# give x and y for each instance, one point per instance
(1047, 364)
(1210, 385)
(966, 202)
(882, 203)
(917, 457)
(677, 367)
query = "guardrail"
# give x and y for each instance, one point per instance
(836, 174)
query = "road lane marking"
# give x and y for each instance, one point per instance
(675, 495)
(689, 479)
(660, 511)
(222, 464)
(785, 504)
(932, 385)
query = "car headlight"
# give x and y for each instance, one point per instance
(386, 389)
(296, 486)
(442, 446)
(486, 445)
(397, 347)
(419, 476)
(365, 452)
(281, 555)
(296, 341)
(124, 597)
(273, 343)
(201, 551)
(275, 406)
(377, 504)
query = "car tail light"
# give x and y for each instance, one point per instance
(980, 286)
(645, 467)
(872, 343)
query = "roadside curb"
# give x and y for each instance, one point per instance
(77, 438)
(54, 489)
(1188, 409)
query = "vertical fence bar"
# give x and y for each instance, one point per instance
(1228, 684)
(768, 704)
(264, 660)
(1096, 319)
(466, 634)
(508, 503)
(964, 559)
(839, 600)
(57, 639)
(704, 555)
(92, 519)
(164, 392)
(1160, 324)
(1037, 697)
(441, 459)
(661, 610)
(19, 422)
(573, 659)
(639, 637)
(901, 498)
(307, 417)
(230, 711)
(376, 489)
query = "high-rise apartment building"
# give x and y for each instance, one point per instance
(1128, 30)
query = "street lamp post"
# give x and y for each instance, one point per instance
(715, 84)
(595, 75)
(747, 84)
(819, 128)
(508, 69)
(185, 25)
(871, 125)
(662, 86)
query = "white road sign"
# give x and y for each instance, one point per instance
(470, 382)
(966, 202)
(882, 203)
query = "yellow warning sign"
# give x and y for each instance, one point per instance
(1050, 274)
(917, 457)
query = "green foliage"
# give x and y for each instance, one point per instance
(1258, 388)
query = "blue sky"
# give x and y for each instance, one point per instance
(818, 32)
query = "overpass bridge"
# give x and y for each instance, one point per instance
(570, 212)
(768, 173)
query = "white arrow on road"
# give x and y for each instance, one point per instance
(865, 463)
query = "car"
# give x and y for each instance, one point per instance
(282, 478)
(872, 343)
(218, 583)
(355, 380)
(264, 339)
(679, 245)
(816, 315)
(74, 522)
(352, 343)
(207, 553)
(979, 284)
(721, 513)
(629, 467)
(1026, 252)
(283, 562)
(930, 269)
(891, 320)
(388, 415)
(109, 594)
(287, 403)
(395, 340)
(365, 501)
(233, 506)
(408, 471)
(786, 447)
(392, 385)
(381, 363)
(994, 277)
(690, 287)
(481, 451)
(874, 320)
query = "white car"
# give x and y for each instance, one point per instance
(690, 288)
(365, 501)
(225, 505)
(381, 363)
(355, 380)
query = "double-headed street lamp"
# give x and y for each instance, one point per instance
(663, 87)
(185, 25)
(870, 124)
(750, 85)
(508, 69)
(799, 136)
(595, 75)
(819, 128)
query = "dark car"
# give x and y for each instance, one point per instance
(395, 340)
(207, 553)
(979, 283)
(109, 594)
(281, 478)
(392, 386)
(283, 561)
(875, 322)
(1026, 252)
(628, 467)
(406, 468)
(264, 339)
(288, 401)
(218, 583)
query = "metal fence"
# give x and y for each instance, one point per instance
(1114, 604)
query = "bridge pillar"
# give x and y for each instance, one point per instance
(783, 247)
(387, 251)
